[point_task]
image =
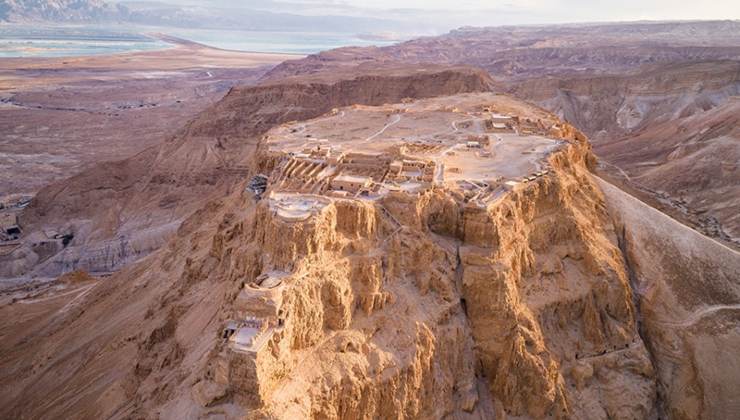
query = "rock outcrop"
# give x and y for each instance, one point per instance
(523, 307)
(414, 306)
(644, 92)
(121, 211)
(552, 300)
(549, 302)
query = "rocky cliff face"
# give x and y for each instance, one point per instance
(416, 306)
(423, 307)
(555, 300)
(641, 91)
(122, 211)
(611, 106)
(656, 130)
(550, 305)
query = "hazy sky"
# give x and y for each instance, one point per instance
(435, 16)
(595, 10)
(559, 10)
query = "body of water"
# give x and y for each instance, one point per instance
(278, 42)
(24, 41)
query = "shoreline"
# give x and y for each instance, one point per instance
(172, 40)
(169, 42)
(177, 55)
(22, 73)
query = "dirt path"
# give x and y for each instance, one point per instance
(382, 130)
(56, 296)
(621, 171)
(698, 315)
(70, 304)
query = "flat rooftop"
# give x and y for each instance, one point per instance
(436, 130)
(353, 178)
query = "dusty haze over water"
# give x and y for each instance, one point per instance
(427, 16)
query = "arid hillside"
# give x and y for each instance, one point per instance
(611, 106)
(509, 288)
(689, 321)
(669, 132)
(622, 84)
(57, 10)
(60, 116)
(689, 166)
(425, 303)
(522, 53)
(373, 233)
(120, 211)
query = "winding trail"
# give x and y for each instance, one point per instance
(80, 291)
(52, 297)
(382, 130)
(621, 171)
(698, 315)
(70, 304)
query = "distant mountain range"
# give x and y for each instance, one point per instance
(164, 14)
(20, 11)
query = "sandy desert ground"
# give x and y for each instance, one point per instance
(61, 115)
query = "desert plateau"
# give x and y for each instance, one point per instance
(536, 220)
